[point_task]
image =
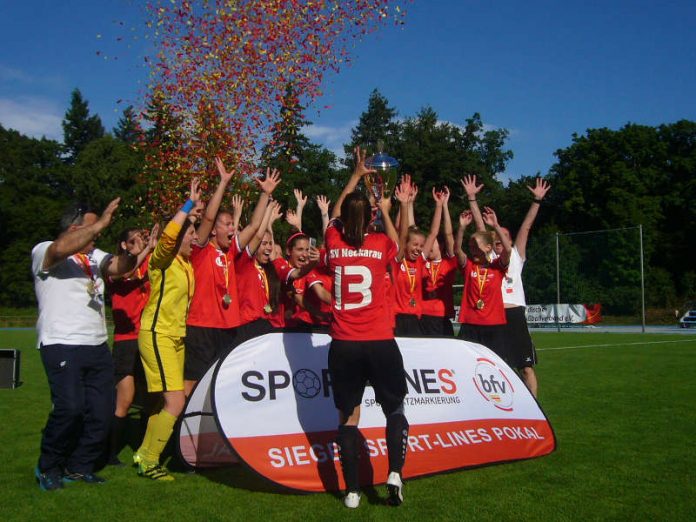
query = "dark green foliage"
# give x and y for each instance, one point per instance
(34, 189)
(79, 128)
(128, 128)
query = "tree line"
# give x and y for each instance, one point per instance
(603, 180)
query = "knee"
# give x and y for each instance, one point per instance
(174, 402)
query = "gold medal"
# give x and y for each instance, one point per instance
(226, 299)
(91, 289)
(480, 304)
(412, 302)
(267, 309)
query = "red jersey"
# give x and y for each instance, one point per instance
(215, 277)
(318, 277)
(253, 289)
(482, 299)
(128, 299)
(437, 296)
(407, 290)
(360, 311)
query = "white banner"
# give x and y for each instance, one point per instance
(556, 313)
(271, 397)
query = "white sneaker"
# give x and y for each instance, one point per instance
(352, 500)
(394, 487)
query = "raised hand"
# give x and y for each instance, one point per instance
(439, 197)
(402, 191)
(237, 203)
(470, 186)
(360, 167)
(225, 176)
(152, 239)
(465, 218)
(275, 213)
(269, 184)
(540, 189)
(489, 217)
(195, 191)
(293, 220)
(108, 214)
(301, 200)
(323, 203)
(445, 194)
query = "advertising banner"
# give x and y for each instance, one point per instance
(271, 400)
(564, 314)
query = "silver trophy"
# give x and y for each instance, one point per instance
(381, 183)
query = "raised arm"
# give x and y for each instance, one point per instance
(539, 191)
(237, 208)
(402, 193)
(73, 241)
(323, 203)
(140, 249)
(449, 235)
(263, 228)
(389, 229)
(301, 202)
(491, 219)
(438, 197)
(267, 186)
(166, 248)
(211, 210)
(472, 189)
(465, 219)
(358, 173)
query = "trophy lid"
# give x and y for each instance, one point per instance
(381, 161)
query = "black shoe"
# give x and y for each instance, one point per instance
(48, 481)
(114, 461)
(394, 489)
(88, 478)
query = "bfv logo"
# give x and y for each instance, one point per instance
(306, 382)
(492, 383)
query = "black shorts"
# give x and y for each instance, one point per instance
(491, 336)
(435, 326)
(353, 363)
(253, 329)
(127, 359)
(407, 325)
(204, 346)
(518, 343)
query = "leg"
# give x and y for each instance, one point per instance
(67, 395)
(530, 379)
(98, 382)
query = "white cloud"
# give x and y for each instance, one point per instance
(33, 116)
(331, 137)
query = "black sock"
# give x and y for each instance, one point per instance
(347, 441)
(397, 441)
(116, 437)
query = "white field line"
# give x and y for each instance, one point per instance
(612, 344)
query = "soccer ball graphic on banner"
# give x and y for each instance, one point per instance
(306, 383)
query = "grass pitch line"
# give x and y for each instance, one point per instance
(612, 344)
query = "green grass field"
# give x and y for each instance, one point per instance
(621, 405)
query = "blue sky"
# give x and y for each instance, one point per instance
(541, 69)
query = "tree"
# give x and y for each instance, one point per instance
(302, 164)
(377, 123)
(79, 128)
(128, 128)
(34, 190)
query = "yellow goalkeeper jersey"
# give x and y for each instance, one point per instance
(172, 284)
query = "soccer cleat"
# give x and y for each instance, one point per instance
(136, 458)
(154, 472)
(87, 478)
(394, 489)
(48, 481)
(352, 500)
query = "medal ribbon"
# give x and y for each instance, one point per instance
(411, 278)
(85, 266)
(435, 270)
(264, 281)
(481, 281)
(226, 269)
